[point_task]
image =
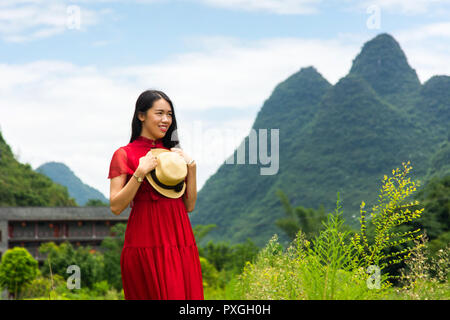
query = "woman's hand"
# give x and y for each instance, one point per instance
(147, 163)
(181, 153)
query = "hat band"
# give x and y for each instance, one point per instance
(177, 187)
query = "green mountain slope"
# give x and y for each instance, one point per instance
(62, 175)
(384, 65)
(332, 138)
(433, 108)
(20, 185)
(440, 162)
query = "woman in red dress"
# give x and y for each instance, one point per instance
(159, 258)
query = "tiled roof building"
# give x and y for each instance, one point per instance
(81, 226)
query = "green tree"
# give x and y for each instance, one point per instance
(59, 258)
(17, 269)
(96, 203)
(435, 197)
(210, 275)
(113, 250)
(228, 259)
(200, 231)
(219, 254)
(308, 220)
(241, 253)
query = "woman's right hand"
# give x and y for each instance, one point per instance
(147, 163)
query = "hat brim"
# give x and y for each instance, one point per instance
(170, 193)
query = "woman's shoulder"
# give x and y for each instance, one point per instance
(121, 150)
(126, 147)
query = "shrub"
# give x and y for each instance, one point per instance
(59, 258)
(17, 269)
(387, 215)
(424, 278)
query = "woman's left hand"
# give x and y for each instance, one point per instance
(182, 154)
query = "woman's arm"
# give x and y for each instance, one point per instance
(191, 187)
(120, 196)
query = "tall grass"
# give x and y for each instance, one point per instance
(336, 264)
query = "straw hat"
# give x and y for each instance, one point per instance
(168, 176)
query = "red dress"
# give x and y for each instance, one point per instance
(159, 258)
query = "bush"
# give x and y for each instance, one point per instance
(17, 269)
(59, 258)
(210, 275)
(43, 286)
(387, 217)
(112, 251)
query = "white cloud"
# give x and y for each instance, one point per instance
(26, 20)
(425, 32)
(273, 6)
(427, 48)
(407, 7)
(232, 73)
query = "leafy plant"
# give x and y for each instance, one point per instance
(17, 269)
(424, 278)
(335, 263)
(61, 257)
(391, 212)
(111, 255)
(308, 220)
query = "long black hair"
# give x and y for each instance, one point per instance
(145, 102)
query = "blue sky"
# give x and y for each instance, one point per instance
(67, 90)
(151, 31)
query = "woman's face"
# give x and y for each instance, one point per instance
(157, 121)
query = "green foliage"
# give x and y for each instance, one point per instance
(96, 203)
(59, 258)
(17, 269)
(111, 256)
(440, 161)
(221, 262)
(229, 257)
(229, 292)
(389, 213)
(200, 231)
(424, 276)
(43, 286)
(435, 197)
(100, 291)
(331, 252)
(335, 263)
(317, 269)
(442, 242)
(308, 220)
(297, 274)
(210, 274)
